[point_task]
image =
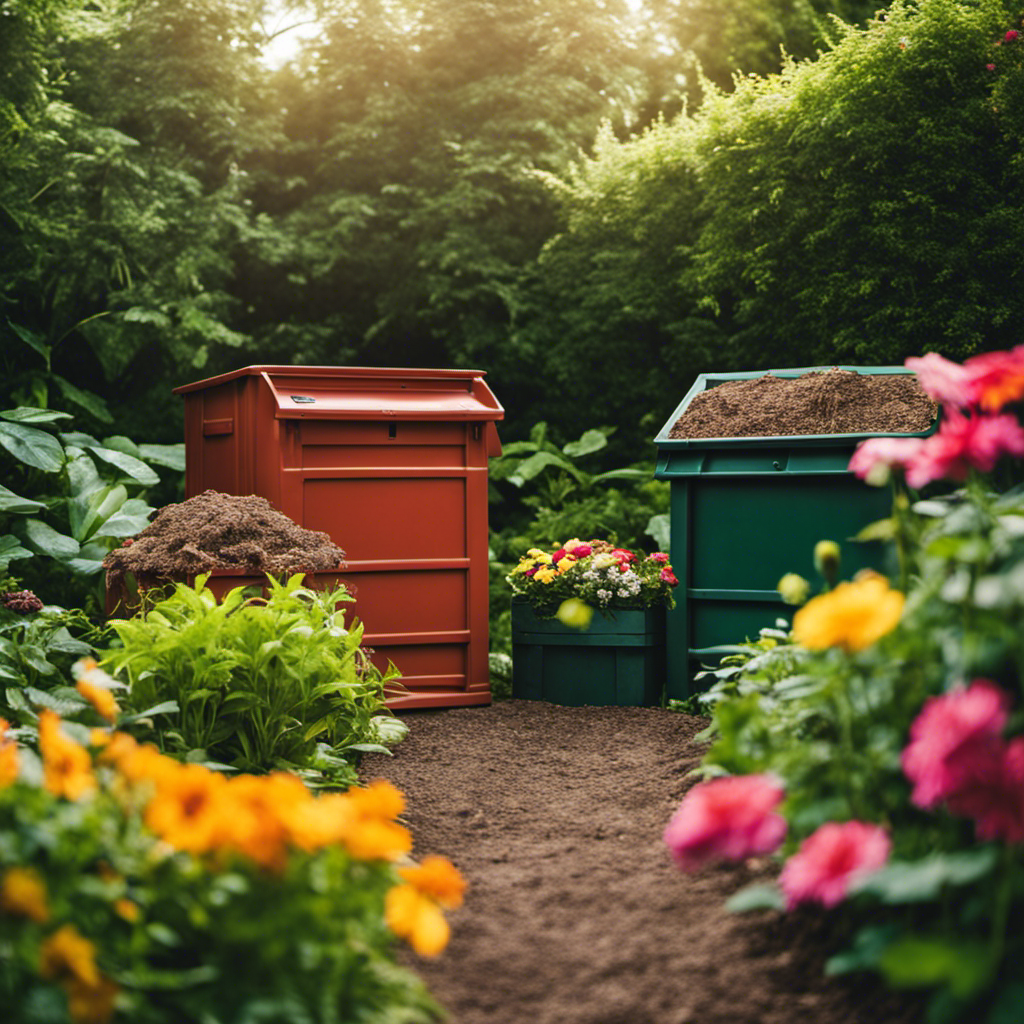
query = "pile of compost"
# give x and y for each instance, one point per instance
(242, 534)
(821, 402)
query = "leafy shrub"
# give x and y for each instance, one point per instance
(258, 684)
(135, 888)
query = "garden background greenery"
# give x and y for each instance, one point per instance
(593, 201)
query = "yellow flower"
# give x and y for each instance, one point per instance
(66, 954)
(258, 816)
(575, 613)
(8, 756)
(545, 575)
(185, 810)
(91, 1004)
(100, 698)
(314, 824)
(67, 767)
(565, 563)
(793, 588)
(373, 834)
(437, 878)
(540, 556)
(413, 916)
(853, 616)
(23, 892)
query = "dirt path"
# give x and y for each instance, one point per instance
(575, 913)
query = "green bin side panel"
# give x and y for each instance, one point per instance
(575, 676)
(753, 530)
(715, 622)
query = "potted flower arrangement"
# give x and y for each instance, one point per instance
(588, 624)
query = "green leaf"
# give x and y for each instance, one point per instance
(120, 443)
(34, 341)
(11, 502)
(34, 447)
(170, 455)
(880, 529)
(61, 705)
(590, 441)
(30, 414)
(916, 962)
(167, 707)
(923, 880)
(535, 464)
(127, 464)
(91, 403)
(756, 897)
(48, 541)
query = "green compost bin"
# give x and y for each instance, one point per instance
(618, 661)
(747, 510)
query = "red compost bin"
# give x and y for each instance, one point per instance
(392, 464)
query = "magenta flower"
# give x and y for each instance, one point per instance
(945, 381)
(727, 818)
(963, 443)
(994, 798)
(875, 459)
(659, 556)
(580, 550)
(830, 859)
(996, 378)
(668, 576)
(956, 742)
(1011, 36)
(990, 67)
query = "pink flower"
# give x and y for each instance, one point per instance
(580, 550)
(990, 67)
(962, 443)
(875, 459)
(945, 381)
(623, 555)
(996, 378)
(727, 818)
(668, 576)
(659, 556)
(956, 742)
(558, 556)
(1011, 35)
(995, 798)
(830, 859)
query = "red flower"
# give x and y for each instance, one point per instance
(830, 859)
(996, 378)
(558, 556)
(727, 818)
(990, 67)
(659, 556)
(962, 443)
(1011, 36)
(668, 576)
(581, 550)
(623, 555)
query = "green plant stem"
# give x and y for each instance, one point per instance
(1001, 910)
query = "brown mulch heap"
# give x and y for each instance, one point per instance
(575, 913)
(823, 402)
(243, 534)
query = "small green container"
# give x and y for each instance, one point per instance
(747, 510)
(619, 660)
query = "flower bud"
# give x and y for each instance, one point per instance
(826, 560)
(793, 588)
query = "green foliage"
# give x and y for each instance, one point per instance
(260, 685)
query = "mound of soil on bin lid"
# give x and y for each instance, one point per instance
(242, 534)
(821, 402)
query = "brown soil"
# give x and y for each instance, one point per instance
(575, 913)
(830, 402)
(243, 534)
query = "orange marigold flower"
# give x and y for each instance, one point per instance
(8, 756)
(852, 616)
(416, 918)
(377, 840)
(256, 818)
(437, 878)
(127, 910)
(380, 799)
(314, 824)
(67, 954)
(67, 766)
(91, 1004)
(186, 809)
(100, 698)
(138, 763)
(23, 892)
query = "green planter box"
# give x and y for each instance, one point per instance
(619, 660)
(746, 510)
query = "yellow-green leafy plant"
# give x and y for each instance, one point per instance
(258, 683)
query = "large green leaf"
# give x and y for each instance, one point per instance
(920, 962)
(11, 502)
(535, 464)
(34, 341)
(10, 550)
(590, 441)
(127, 464)
(86, 400)
(34, 447)
(923, 880)
(170, 455)
(87, 513)
(31, 414)
(48, 541)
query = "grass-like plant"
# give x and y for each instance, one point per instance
(259, 683)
